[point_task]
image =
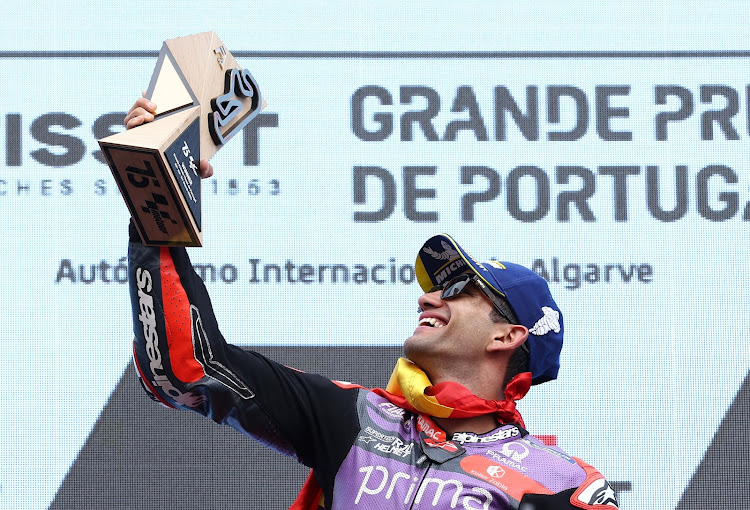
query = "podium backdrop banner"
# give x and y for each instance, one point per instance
(610, 154)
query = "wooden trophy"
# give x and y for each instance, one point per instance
(203, 99)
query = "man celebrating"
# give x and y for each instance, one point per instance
(445, 433)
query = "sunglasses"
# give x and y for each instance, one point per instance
(457, 285)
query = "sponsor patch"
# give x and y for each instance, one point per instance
(511, 482)
(379, 435)
(595, 494)
(500, 435)
(549, 322)
(443, 445)
(396, 448)
(147, 317)
(381, 488)
(515, 450)
(448, 252)
(392, 410)
(505, 461)
(430, 429)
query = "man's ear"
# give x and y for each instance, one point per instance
(509, 337)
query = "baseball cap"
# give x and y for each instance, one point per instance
(441, 258)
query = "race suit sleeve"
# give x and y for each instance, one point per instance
(183, 361)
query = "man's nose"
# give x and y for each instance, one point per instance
(430, 300)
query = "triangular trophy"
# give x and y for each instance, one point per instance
(203, 99)
(169, 89)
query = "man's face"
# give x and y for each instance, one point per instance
(451, 332)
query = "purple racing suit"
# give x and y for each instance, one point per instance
(366, 453)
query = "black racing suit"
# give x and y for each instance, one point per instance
(365, 452)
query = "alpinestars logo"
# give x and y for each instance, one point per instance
(598, 492)
(549, 322)
(470, 437)
(147, 316)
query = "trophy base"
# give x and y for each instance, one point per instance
(161, 184)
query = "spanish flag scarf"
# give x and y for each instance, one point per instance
(409, 388)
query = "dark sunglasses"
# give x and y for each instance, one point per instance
(457, 285)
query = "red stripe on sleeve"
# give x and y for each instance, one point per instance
(177, 322)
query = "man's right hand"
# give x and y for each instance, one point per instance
(143, 111)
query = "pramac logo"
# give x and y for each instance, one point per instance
(515, 450)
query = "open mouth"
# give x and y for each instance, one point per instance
(431, 322)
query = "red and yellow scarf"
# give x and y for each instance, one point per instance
(409, 388)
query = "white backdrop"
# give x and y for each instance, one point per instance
(654, 356)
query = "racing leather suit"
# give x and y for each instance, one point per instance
(365, 452)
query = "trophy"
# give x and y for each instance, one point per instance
(203, 99)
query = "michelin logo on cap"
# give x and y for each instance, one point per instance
(447, 254)
(549, 322)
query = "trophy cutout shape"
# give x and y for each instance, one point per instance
(203, 99)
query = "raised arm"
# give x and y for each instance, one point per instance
(184, 361)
